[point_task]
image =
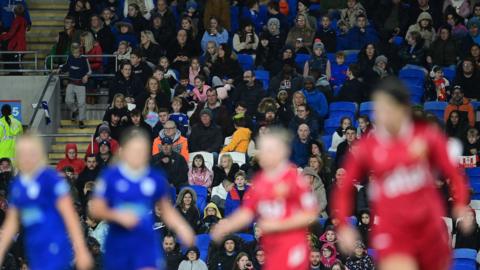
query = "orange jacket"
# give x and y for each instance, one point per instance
(465, 107)
(240, 140)
(180, 144)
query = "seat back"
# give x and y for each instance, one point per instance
(245, 60)
(436, 107)
(203, 242)
(264, 77)
(237, 157)
(300, 60)
(207, 157)
(366, 108)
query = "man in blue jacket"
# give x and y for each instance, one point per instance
(315, 98)
(300, 146)
(361, 35)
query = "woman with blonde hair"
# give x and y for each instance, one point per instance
(92, 48)
(120, 105)
(298, 98)
(150, 49)
(150, 112)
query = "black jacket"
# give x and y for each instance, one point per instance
(142, 72)
(106, 39)
(129, 88)
(227, 68)
(176, 169)
(153, 53)
(204, 138)
(174, 258)
(279, 82)
(250, 95)
(219, 174)
(353, 91)
(342, 151)
(469, 85)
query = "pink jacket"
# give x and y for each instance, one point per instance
(200, 96)
(198, 177)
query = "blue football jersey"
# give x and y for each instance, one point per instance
(46, 240)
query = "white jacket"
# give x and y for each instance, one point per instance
(192, 265)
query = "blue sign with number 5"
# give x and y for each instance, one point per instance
(16, 108)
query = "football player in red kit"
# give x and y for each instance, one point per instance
(281, 203)
(404, 156)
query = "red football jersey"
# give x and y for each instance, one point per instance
(279, 198)
(403, 193)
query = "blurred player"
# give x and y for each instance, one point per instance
(404, 156)
(125, 196)
(41, 201)
(282, 204)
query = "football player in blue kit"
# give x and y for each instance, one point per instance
(125, 196)
(40, 200)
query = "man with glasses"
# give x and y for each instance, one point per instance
(179, 143)
(468, 79)
(250, 91)
(462, 104)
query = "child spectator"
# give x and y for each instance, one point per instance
(319, 62)
(168, 73)
(150, 112)
(360, 260)
(220, 193)
(339, 135)
(199, 93)
(327, 34)
(123, 51)
(424, 27)
(241, 137)
(472, 145)
(339, 70)
(211, 216)
(364, 126)
(225, 170)
(125, 33)
(192, 260)
(329, 236)
(329, 255)
(164, 84)
(103, 135)
(245, 41)
(365, 225)
(119, 104)
(194, 70)
(178, 117)
(237, 193)
(440, 83)
(199, 174)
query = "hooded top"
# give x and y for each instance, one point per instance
(77, 164)
(182, 193)
(214, 206)
(240, 140)
(428, 34)
(328, 262)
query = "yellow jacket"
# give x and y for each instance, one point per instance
(240, 140)
(7, 136)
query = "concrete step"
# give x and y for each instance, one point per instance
(41, 38)
(54, 14)
(60, 147)
(42, 5)
(76, 130)
(47, 22)
(40, 46)
(79, 139)
(68, 123)
(46, 30)
(56, 156)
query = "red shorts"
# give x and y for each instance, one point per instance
(427, 243)
(287, 256)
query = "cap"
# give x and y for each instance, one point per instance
(167, 140)
(381, 58)
(104, 128)
(206, 111)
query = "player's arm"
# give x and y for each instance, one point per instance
(237, 221)
(65, 207)
(9, 229)
(100, 210)
(176, 222)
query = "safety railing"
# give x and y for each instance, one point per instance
(50, 59)
(19, 56)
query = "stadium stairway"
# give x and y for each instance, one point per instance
(57, 150)
(47, 20)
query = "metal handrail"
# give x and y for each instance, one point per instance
(35, 62)
(35, 111)
(54, 135)
(51, 57)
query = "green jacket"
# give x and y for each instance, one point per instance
(8, 135)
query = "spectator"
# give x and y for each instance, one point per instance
(65, 39)
(81, 13)
(439, 85)
(109, 18)
(242, 262)
(220, 114)
(150, 112)
(124, 32)
(315, 98)
(302, 8)
(103, 135)
(287, 79)
(7, 13)
(97, 229)
(181, 51)
(364, 126)
(225, 257)
(245, 41)
(365, 225)
(220, 192)
(339, 70)
(123, 52)
(345, 147)
(300, 145)
(165, 14)
(71, 160)
(468, 240)
(192, 260)
(349, 15)
(240, 138)
(300, 30)
(160, 30)
(264, 55)
(16, 35)
(214, 32)
(226, 169)
(104, 154)
(194, 70)
(366, 58)
(456, 126)
(179, 143)
(118, 103)
(413, 53)
(78, 72)
(360, 260)
(361, 34)
(172, 163)
(459, 103)
(11, 128)
(319, 62)
(161, 75)
(150, 49)
(199, 93)
(237, 194)
(317, 187)
(89, 173)
(462, 7)
(326, 33)
(171, 249)
(467, 78)
(475, 54)
(135, 17)
(188, 24)
(304, 115)
(125, 83)
(140, 69)
(102, 34)
(91, 47)
(276, 35)
(315, 256)
(209, 57)
(424, 27)
(180, 119)
(219, 9)
(226, 67)
(443, 51)
(329, 255)
(273, 12)
(339, 135)
(206, 135)
(250, 92)
(456, 23)
(115, 124)
(379, 71)
(153, 91)
(199, 174)
(187, 206)
(211, 216)
(353, 90)
(136, 120)
(392, 18)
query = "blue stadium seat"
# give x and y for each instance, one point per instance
(416, 90)
(331, 57)
(246, 61)
(353, 221)
(202, 194)
(338, 108)
(203, 242)
(372, 252)
(473, 172)
(330, 125)
(327, 141)
(436, 107)
(351, 56)
(465, 259)
(449, 73)
(173, 193)
(366, 108)
(412, 74)
(476, 105)
(300, 60)
(234, 22)
(263, 76)
(473, 175)
(246, 237)
(314, 7)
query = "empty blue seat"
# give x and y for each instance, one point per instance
(327, 141)
(366, 108)
(246, 61)
(353, 221)
(471, 172)
(449, 73)
(330, 125)
(412, 74)
(331, 57)
(372, 252)
(173, 193)
(246, 237)
(436, 107)
(464, 259)
(351, 56)
(300, 60)
(322, 221)
(264, 77)
(475, 104)
(348, 107)
(234, 22)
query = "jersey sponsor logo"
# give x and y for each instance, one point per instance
(61, 188)
(382, 241)
(404, 180)
(308, 200)
(33, 191)
(296, 256)
(136, 208)
(100, 187)
(31, 215)
(148, 186)
(272, 209)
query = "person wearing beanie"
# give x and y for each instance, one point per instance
(301, 29)
(273, 11)
(192, 260)
(103, 135)
(319, 62)
(276, 35)
(379, 71)
(206, 135)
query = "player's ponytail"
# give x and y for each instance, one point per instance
(6, 112)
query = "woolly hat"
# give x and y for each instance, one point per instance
(319, 45)
(104, 128)
(381, 58)
(207, 112)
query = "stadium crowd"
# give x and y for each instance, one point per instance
(205, 77)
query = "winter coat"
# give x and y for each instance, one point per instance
(356, 39)
(16, 35)
(320, 193)
(348, 16)
(233, 200)
(251, 95)
(96, 63)
(337, 138)
(466, 107)
(199, 177)
(311, 121)
(241, 46)
(193, 265)
(129, 88)
(300, 152)
(192, 215)
(443, 52)
(180, 144)
(363, 263)
(219, 38)
(219, 174)
(352, 91)
(94, 148)
(413, 55)
(306, 34)
(317, 101)
(209, 221)
(240, 140)
(77, 164)
(428, 35)
(200, 96)
(176, 169)
(328, 37)
(203, 138)
(328, 262)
